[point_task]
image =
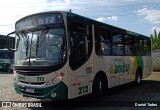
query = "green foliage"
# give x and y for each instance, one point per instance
(155, 39)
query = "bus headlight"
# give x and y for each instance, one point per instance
(58, 78)
(55, 80)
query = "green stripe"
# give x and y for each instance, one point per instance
(60, 89)
(140, 62)
(3, 65)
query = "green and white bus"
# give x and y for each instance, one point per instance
(61, 55)
(6, 60)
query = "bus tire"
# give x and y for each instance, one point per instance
(100, 86)
(138, 79)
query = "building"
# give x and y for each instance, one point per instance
(156, 60)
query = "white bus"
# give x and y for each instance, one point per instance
(61, 55)
(6, 60)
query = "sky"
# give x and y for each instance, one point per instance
(140, 16)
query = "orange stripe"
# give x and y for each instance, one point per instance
(74, 84)
(78, 84)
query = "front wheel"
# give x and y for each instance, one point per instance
(138, 77)
(100, 86)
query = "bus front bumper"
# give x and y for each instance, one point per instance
(56, 92)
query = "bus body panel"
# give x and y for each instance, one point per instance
(42, 86)
(147, 66)
(122, 69)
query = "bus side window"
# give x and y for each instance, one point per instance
(80, 44)
(147, 47)
(98, 47)
(138, 45)
(117, 44)
(129, 48)
(102, 41)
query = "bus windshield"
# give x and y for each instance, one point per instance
(40, 47)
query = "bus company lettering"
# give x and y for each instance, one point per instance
(122, 68)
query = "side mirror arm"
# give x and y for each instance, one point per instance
(8, 42)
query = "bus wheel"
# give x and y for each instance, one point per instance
(138, 79)
(99, 86)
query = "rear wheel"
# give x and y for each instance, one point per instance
(99, 86)
(138, 79)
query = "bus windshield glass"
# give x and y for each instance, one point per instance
(41, 47)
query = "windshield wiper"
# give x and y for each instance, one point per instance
(30, 48)
(26, 43)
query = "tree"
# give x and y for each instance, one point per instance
(155, 39)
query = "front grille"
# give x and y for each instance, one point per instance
(31, 73)
(34, 83)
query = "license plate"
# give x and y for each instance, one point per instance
(30, 90)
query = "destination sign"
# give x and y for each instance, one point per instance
(37, 20)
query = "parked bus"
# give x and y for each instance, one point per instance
(6, 60)
(61, 55)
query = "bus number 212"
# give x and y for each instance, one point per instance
(82, 90)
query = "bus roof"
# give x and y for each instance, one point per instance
(105, 25)
(41, 13)
(98, 23)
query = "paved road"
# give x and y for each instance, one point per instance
(122, 96)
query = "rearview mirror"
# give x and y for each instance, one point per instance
(8, 42)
